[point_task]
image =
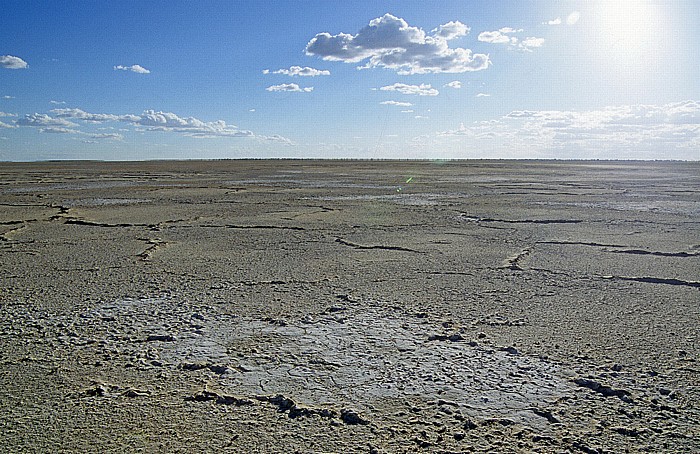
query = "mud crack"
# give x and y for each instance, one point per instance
(379, 246)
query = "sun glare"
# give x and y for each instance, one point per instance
(629, 29)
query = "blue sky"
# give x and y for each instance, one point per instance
(404, 79)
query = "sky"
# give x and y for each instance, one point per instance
(137, 80)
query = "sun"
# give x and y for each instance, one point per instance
(627, 28)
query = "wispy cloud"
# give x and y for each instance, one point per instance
(58, 103)
(421, 90)
(8, 97)
(454, 84)
(389, 42)
(5, 125)
(299, 71)
(57, 130)
(483, 95)
(573, 18)
(505, 36)
(151, 120)
(12, 62)
(6, 114)
(38, 120)
(289, 87)
(556, 21)
(396, 103)
(133, 68)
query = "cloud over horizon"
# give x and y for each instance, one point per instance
(148, 120)
(389, 42)
(628, 131)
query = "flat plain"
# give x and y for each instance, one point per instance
(350, 306)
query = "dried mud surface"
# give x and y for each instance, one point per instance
(342, 306)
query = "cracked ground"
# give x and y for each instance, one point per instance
(342, 306)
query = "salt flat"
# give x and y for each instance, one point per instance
(350, 306)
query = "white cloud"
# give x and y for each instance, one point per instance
(530, 42)
(396, 103)
(133, 68)
(421, 90)
(299, 71)
(277, 138)
(461, 131)
(556, 21)
(5, 125)
(56, 130)
(623, 132)
(289, 87)
(56, 102)
(42, 120)
(482, 95)
(420, 117)
(572, 18)
(454, 84)
(8, 97)
(451, 30)
(89, 117)
(5, 114)
(389, 42)
(503, 36)
(407, 111)
(11, 62)
(148, 120)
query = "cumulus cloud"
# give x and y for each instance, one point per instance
(454, 84)
(299, 71)
(11, 62)
(420, 90)
(396, 103)
(451, 30)
(572, 18)
(133, 68)
(505, 36)
(5, 125)
(389, 42)
(289, 87)
(89, 117)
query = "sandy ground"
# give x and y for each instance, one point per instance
(311, 306)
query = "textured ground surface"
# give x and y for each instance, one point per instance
(310, 306)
